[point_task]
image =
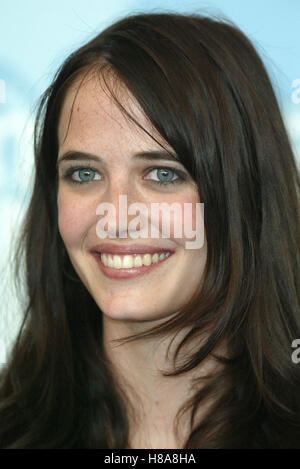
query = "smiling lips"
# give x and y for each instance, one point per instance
(120, 262)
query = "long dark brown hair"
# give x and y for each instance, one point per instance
(205, 90)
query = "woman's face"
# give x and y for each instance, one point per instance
(103, 155)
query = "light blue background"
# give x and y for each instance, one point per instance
(36, 36)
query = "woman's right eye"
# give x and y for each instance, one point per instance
(82, 175)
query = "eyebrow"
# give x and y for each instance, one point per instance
(144, 155)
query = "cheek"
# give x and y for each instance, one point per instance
(183, 220)
(73, 218)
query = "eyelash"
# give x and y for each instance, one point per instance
(70, 171)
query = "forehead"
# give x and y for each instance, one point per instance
(91, 119)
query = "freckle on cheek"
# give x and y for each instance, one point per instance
(69, 222)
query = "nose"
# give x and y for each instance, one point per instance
(120, 194)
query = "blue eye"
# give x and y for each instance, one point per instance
(81, 175)
(166, 175)
(85, 175)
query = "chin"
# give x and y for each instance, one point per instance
(131, 314)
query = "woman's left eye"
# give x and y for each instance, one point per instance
(166, 175)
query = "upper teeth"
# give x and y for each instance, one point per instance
(127, 261)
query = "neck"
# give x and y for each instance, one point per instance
(155, 398)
